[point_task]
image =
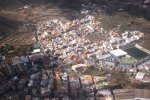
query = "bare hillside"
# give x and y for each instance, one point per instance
(17, 17)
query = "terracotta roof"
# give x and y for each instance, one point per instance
(146, 78)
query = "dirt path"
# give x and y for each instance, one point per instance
(25, 34)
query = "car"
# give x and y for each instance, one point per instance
(30, 83)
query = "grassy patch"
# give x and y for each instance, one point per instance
(94, 71)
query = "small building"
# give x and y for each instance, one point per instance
(36, 46)
(147, 67)
(36, 51)
(146, 79)
(110, 61)
(140, 75)
(20, 60)
(35, 57)
(133, 70)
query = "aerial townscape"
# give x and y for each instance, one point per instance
(77, 59)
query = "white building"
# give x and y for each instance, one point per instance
(118, 53)
(140, 75)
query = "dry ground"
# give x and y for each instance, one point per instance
(21, 31)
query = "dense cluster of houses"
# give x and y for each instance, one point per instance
(68, 42)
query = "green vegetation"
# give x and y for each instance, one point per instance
(23, 49)
(94, 71)
(4, 32)
(10, 50)
(141, 85)
(120, 79)
(4, 50)
(128, 61)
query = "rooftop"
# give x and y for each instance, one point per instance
(131, 94)
(128, 61)
(136, 53)
(118, 52)
(140, 75)
(19, 60)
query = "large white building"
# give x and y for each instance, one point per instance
(118, 53)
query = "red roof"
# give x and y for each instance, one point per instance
(136, 81)
(148, 66)
(146, 78)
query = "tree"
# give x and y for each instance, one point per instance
(120, 79)
(4, 50)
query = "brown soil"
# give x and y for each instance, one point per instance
(19, 28)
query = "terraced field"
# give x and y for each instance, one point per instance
(17, 22)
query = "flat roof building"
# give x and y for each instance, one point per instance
(140, 75)
(118, 53)
(19, 60)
